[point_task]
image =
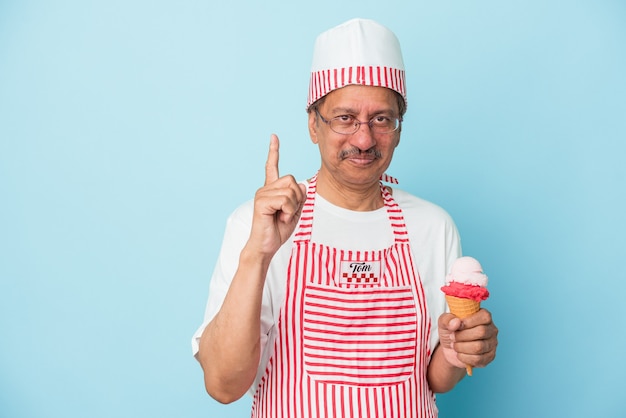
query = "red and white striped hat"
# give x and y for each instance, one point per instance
(359, 51)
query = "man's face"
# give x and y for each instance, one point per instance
(362, 157)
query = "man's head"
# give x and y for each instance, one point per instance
(357, 52)
(357, 98)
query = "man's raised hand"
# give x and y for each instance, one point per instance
(277, 206)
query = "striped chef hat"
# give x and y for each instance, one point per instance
(359, 51)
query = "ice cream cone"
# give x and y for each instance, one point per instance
(463, 308)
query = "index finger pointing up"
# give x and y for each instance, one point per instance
(271, 166)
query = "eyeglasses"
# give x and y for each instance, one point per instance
(347, 125)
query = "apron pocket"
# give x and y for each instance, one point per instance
(359, 337)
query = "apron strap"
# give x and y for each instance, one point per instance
(305, 224)
(400, 232)
(388, 179)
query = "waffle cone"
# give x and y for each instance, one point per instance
(463, 308)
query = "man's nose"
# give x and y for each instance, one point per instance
(363, 138)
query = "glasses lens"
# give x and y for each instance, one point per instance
(384, 125)
(344, 125)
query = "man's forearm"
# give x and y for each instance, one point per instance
(230, 345)
(441, 375)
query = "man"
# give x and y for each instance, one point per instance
(326, 299)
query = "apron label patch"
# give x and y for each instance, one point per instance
(360, 272)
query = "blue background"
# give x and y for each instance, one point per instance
(129, 130)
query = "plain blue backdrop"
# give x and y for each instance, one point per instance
(129, 130)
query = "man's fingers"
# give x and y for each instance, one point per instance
(482, 317)
(450, 322)
(271, 166)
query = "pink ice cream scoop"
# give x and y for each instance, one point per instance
(466, 280)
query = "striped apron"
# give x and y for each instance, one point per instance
(352, 337)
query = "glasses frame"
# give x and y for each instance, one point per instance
(357, 124)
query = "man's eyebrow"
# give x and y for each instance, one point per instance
(342, 110)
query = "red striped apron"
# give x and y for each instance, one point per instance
(353, 333)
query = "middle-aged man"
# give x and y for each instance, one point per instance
(325, 300)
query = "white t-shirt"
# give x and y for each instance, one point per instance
(433, 237)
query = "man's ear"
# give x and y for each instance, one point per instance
(313, 126)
